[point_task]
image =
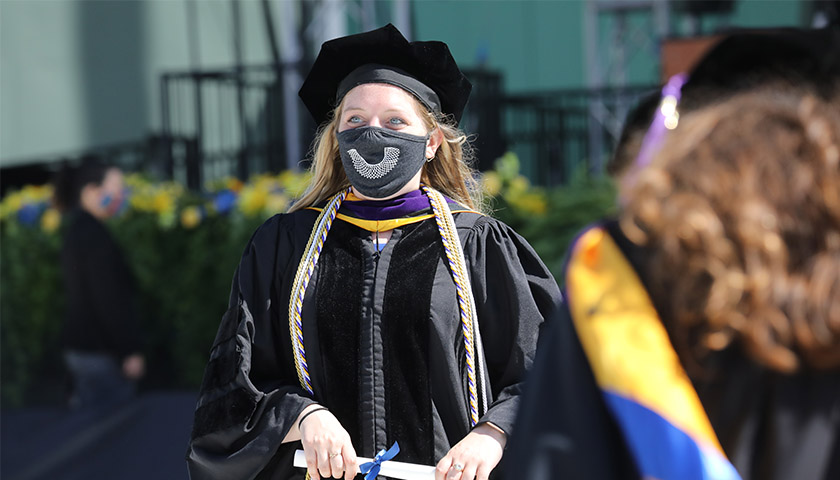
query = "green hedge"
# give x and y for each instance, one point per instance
(183, 248)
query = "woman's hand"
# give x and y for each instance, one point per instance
(474, 457)
(326, 445)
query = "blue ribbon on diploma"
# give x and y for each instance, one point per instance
(371, 469)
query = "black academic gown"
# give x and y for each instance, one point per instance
(771, 426)
(383, 342)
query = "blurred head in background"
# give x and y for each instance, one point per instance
(632, 133)
(743, 61)
(92, 186)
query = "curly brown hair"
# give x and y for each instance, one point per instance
(739, 216)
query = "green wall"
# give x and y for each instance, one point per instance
(540, 44)
(76, 74)
(537, 44)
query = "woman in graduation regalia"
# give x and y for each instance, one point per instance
(383, 308)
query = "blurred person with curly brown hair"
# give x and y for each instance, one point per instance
(701, 338)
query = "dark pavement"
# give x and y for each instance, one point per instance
(144, 439)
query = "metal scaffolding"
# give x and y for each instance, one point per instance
(610, 42)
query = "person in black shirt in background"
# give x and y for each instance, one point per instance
(100, 337)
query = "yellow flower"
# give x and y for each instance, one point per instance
(276, 203)
(135, 180)
(163, 202)
(50, 220)
(157, 198)
(234, 184)
(533, 203)
(190, 217)
(264, 181)
(491, 182)
(520, 184)
(252, 200)
(36, 193)
(139, 202)
(142, 196)
(11, 204)
(294, 183)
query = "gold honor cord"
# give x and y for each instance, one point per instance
(304, 274)
(302, 277)
(466, 302)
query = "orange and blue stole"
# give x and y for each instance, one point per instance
(640, 376)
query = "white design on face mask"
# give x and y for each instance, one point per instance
(375, 171)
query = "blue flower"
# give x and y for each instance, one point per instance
(224, 201)
(29, 213)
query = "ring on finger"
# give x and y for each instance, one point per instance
(334, 454)
(457, 466)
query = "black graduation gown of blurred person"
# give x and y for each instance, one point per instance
(99, 289)
(771, 426)
(383, 342)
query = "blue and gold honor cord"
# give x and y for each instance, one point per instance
(466, 303)
(304, 274)
(457, 265)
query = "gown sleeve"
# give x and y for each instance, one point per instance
(514, 293)
(250, 394)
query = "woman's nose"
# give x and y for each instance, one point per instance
(374, 122)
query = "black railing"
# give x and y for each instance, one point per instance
(237, 121)
(483, 117)
(558, 133)
(146, 155)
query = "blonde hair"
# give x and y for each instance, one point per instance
(450, 171)
(740, 216)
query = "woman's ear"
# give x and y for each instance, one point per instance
(435, 139)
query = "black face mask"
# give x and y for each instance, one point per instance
(379, 162)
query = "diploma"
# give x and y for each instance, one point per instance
(390, 468)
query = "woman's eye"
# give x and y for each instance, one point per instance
(354, 119)
(396, 121)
